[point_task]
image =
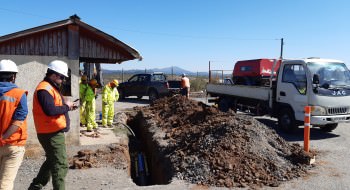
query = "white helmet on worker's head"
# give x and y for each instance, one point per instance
(8, 66)
(59, 66)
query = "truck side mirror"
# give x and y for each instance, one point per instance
(316, 79)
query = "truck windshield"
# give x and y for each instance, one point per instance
(331, 75)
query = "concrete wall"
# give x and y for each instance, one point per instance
(32, 70)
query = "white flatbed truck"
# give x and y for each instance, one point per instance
(323, 84)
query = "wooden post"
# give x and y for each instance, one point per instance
(73, 42)
(307, 110)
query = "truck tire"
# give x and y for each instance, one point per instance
(224, 104)
(152, 95)
(329, 127)
(261, 109)
(286, 120)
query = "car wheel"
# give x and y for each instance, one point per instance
(286, 120)
(152, 95)
(329, 127)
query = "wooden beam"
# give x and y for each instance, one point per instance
(73, 42)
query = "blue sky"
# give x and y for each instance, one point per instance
(190, 33)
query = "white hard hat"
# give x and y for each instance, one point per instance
(7, 65)
(59, 67)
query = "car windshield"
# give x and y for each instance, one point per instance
(331, 74)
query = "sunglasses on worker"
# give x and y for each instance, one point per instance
(61, 76)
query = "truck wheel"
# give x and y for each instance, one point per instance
(286, 120)
(260, 109)
(152, 95)
(329, 127)
(224, 105)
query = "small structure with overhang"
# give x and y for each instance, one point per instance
(70, 40)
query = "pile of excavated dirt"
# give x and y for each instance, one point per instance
(114, 154)
(209, 147)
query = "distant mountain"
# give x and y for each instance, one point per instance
(167, 70)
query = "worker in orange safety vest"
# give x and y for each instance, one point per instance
(13, 126)
(51, 119)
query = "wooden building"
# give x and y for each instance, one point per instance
(70, 40)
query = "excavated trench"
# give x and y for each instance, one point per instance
(149, 166)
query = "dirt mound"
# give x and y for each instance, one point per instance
(115, 155)
(209, 147)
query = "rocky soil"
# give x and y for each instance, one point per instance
(213, 148)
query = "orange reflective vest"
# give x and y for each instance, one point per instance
(185, 82)
(8, 104)
(44, 123)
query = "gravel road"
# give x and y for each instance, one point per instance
(331, 170)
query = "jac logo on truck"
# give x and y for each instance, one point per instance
(339, 93)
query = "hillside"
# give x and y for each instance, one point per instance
(167, 70)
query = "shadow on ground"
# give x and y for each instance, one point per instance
(298, 135)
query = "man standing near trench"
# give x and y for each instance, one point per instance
(50, 112)
(90, 113)
(83, 85)
(109, 96)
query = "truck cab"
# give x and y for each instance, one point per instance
(323, 84)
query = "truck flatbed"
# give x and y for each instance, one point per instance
(253, 92)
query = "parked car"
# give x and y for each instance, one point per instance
(153, 85)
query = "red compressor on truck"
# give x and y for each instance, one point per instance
(255, 72)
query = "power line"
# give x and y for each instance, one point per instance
(25, 13)
(191, 36)
(150, 32)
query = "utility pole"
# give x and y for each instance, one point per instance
(172, 72)
(281, 56)
(122, 74)
(209, 73)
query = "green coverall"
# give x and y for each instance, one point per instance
(90, 108)
(82, 91)
(109, 96)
